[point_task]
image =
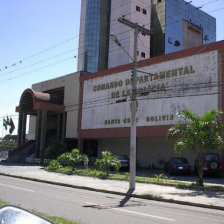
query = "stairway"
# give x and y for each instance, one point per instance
(19, 154)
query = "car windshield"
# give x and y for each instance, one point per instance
(178, 160)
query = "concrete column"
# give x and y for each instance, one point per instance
(63, 126)
(80, 145)
(19, 130)
(43, 133)
(23, 131)
(37, 134)
(59, 127)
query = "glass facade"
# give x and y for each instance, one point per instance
(92, 35)
(178, 11)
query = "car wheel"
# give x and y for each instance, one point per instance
(213, 165)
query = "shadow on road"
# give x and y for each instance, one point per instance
(122, 203)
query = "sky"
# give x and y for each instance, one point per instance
(39, 41)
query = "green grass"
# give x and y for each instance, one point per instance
(158, 179)
(54, 219)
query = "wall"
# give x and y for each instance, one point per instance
(151, 152)
(164, 89)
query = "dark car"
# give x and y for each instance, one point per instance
(124, 160)
(178, 165)
(212, 164)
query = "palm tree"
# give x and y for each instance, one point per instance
(199, 134)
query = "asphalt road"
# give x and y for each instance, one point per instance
(93, 207)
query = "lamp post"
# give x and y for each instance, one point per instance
(136, 28)
(133, 108)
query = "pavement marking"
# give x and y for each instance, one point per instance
(23, 189)
(136, 213)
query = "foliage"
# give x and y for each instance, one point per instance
(199, 134)
(67, 170)
(160, 177)
(54, 150)
(7, 145)
(54, 165)
(108, 162)
(74, 158)
(10, 138)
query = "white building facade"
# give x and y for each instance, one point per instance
(167, 85)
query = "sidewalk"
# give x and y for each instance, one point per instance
(166, 193)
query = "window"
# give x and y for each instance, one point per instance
(137, 8)
(137, 53)
(144, 11)
(143, 54)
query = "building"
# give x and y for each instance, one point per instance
(167, 85)
(93, 111)
(98, 20)
(179, 25)
(134, 11)
(94, 35)
(53, 107)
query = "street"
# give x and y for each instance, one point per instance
(93, 207)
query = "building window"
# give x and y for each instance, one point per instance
(137, 8)
(143, 54)
(137, 53)
(144, 11)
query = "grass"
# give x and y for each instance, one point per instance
(158, 179)
(54, 219)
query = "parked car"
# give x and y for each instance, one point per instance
(178, 165)
(124, 160)
(212, 164)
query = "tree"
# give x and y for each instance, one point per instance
(108, 162)
(199, 134)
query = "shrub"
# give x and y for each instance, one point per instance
(53, 166)
(54, 150)
(108, 162)
(74, 158)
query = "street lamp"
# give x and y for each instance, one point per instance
(133, 109)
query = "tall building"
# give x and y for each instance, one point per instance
(98, 20)
(137, 12)
(94, 35)
(179, 25)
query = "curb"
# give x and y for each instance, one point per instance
(148, 197)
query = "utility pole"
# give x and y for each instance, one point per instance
(136, 28)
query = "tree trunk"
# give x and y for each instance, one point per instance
(200, 170)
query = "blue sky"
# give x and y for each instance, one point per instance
(27, 27)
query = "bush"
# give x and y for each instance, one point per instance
(73, 158)
(108, 162)
(54, 150)
(53, 166)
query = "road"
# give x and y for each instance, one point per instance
(93, 207)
